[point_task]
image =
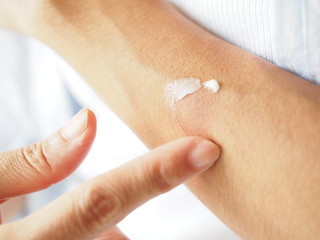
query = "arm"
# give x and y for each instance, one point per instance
(264, 188)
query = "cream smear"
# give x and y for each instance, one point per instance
(179, 89)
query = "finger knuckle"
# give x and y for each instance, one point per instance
(34, 157)
(99, 208)
(157, 172)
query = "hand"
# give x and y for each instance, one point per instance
(94, 208)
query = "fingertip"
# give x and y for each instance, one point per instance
(91, 127)
(182, 159)
(204, 154)
(92, 120)
(81, 128)
(79, 125)
(80, 145)
(201, 152)
(66, 149)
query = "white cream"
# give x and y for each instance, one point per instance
(181, 88)
(212, 85)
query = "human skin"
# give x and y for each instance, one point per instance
(128, 50)
(94, 208)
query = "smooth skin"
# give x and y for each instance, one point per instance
(93, 209)
(265, 188)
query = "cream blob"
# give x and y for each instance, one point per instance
(212, 85)
(179, 89)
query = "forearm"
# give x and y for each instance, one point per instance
(266, 120)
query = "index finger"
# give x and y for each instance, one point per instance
(102, 202)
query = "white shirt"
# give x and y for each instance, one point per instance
(285, 32)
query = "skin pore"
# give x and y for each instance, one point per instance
(265, 185)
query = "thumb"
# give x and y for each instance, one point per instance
(40, 165)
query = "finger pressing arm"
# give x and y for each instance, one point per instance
(129, 50)
(102, 202)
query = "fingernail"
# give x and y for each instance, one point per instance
(76, 126)
(0, 215)
(204, 154)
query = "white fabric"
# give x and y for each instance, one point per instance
(285, 32)
(33, 102)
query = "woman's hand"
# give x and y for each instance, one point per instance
(94, 208)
